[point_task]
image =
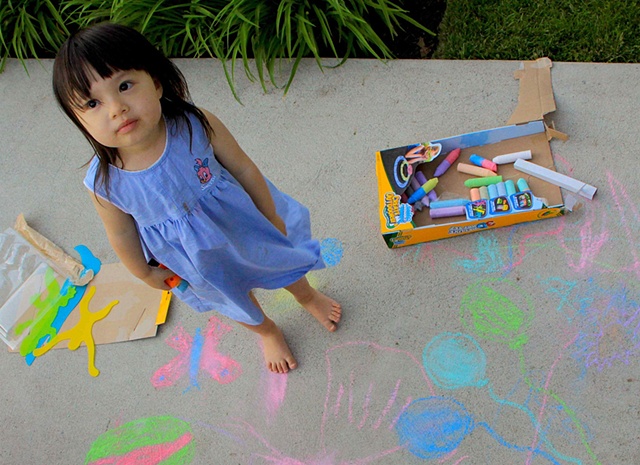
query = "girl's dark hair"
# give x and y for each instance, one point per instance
(104, 49)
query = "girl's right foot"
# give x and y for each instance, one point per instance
(277, 354)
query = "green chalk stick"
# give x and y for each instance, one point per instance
(477, 182)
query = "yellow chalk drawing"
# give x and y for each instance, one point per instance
(81, 332)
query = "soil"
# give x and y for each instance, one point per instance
(413, 43)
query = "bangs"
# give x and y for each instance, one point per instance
(98, 53)
(74, 87)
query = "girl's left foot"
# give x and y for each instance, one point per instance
(326, 310)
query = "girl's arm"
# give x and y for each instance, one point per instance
(123, 237)
(237, 162)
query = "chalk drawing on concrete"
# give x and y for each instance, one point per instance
(332, 251)
(198, 353)
(160, 440)
(497, 310)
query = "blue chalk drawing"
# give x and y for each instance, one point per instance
(432, 427)
(455, 360)
(331, 251)
(488, 256)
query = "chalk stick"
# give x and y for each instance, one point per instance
(474, 170)
(420, 177)
(474, 194)
(557, 179)
(502, 189)
(477, 182)
(446, 212)
(483, 162)
(510, 186)
(449, 203)
(493, 191)
(512, 157)
(484, 192)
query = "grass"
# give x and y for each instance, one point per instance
(564, 30)
(235, 31)
(256, 34)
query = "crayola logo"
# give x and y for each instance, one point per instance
(394, 211)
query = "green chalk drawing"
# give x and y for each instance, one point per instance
(491, 315)
(161, 440)
(47, 310)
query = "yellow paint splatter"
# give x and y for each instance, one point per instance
(81, 332)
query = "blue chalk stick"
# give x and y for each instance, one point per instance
(449, 203)
(522, 185)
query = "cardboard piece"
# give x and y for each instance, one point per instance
(402, 225)
(134, 317)
(536, 93)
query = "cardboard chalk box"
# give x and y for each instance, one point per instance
(403, 224)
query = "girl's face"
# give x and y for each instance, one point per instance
(124, 112)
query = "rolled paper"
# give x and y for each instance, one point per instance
(512, 157)
(474, 194)
(483, 162)
(510, 186)
(557, 179)
(477, 182)
(493, 191)
(502, 189)
(484, 192)
(449, 203)
(446, 163)
(522, 185)
(446, 212)
(474, 170)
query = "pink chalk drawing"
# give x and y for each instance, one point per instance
(274, 389)
(368, 389)
(197, 353)
(148, 455)
(545, 399)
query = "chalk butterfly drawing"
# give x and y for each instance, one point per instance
(197, 353)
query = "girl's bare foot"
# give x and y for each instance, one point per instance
(277, 354)
(326, 310)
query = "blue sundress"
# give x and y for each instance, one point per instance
(195, 218)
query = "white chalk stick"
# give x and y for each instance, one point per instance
(555, 178)
(512, 157)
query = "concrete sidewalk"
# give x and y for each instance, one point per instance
(569, 395)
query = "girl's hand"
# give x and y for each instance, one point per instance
(157, 276)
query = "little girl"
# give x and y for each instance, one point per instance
(172, 185)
